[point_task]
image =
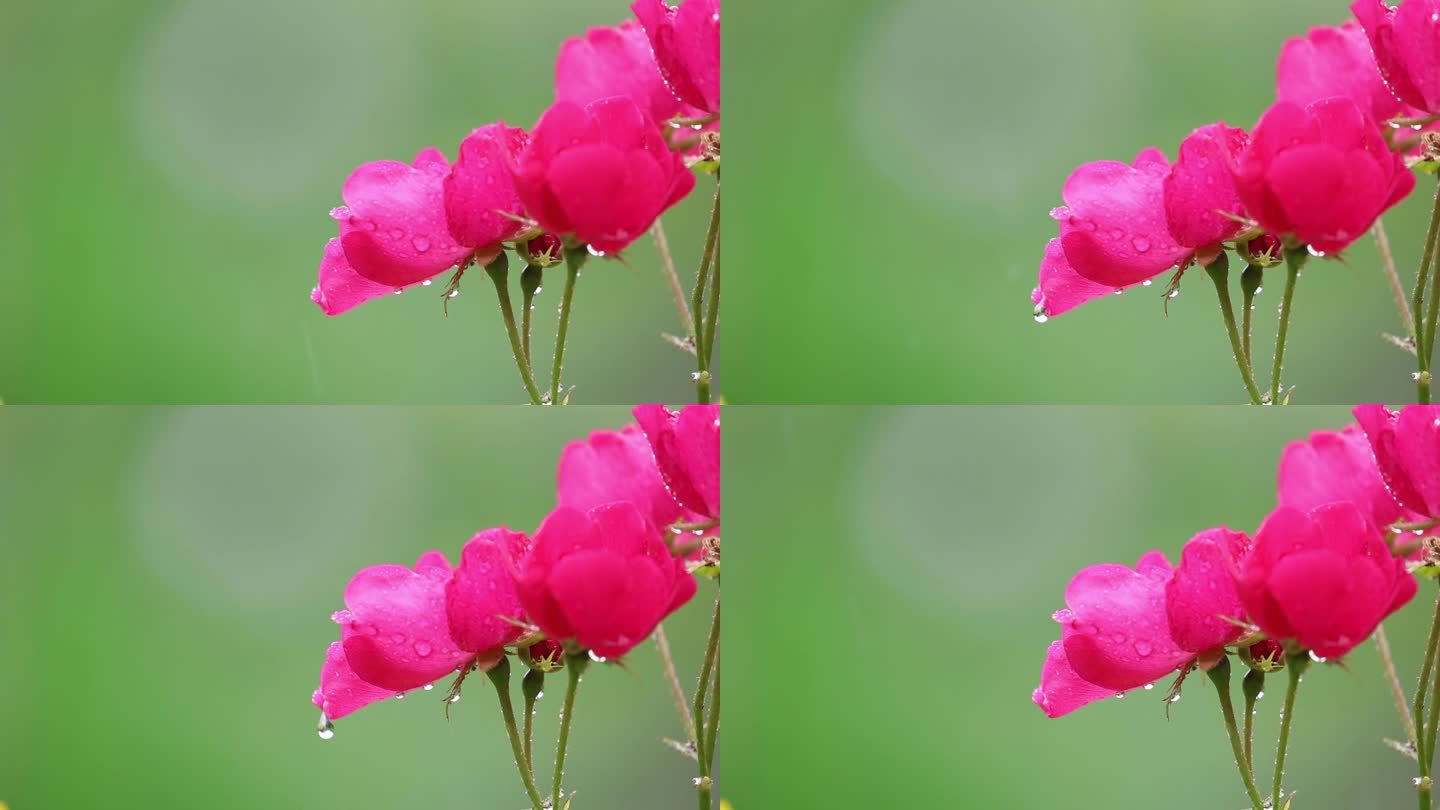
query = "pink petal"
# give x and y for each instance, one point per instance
(479, 187)
(1201, 596)
(1061, 289)
(1418, 451)
(1334, 62)
(1113, 229)
(1332, 467)
(396, 231)
(608, 194)
(687, 450)
(697, 44)
(1200, 186)
(396, 632)
(1061, 691)
(615, 62)
(341, 690)
(613, 466)
(481, 597)
(340, 288)
(1116, 631)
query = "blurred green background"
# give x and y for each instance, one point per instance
(889, 198)
(893, 591)
(168, 579)
(169, 170)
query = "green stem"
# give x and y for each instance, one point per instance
(531, 686)
(1431, 321)
(712, 725)
(667, 265)
(1294, 260)
(1392, 276)
(712, 644)
(576, 665)
(1417, 301)
(712, 318)
(1220, 676)
(1219, 272)
(697, 301)
(499, 272)
(574, 260)
(529, 285)
(1250, 282)
(500, 676)
(667, 662)
(1296, 665)
(1253, 686)
(1422, 690)
(1387, 664)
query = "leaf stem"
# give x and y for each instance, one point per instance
(1417, 301)
(574, 260)
(500, 676)
(697, 303)
(1219, 272)
(499, 272)
(1295, 259)
(703, 736)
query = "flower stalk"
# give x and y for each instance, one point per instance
(575, 664)
(499, 272)
(574, 260)
(1220, 676)
(1295, 259)
(1219, 272)
(500, 676)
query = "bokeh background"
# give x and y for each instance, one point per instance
(892, 599)
(169, 168)
(167, 581)
(890, 197)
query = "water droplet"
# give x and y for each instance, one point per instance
(325, 728)
(1147, 282)
(422, 649)
(429, 686)
(1143, 649)
(427, 282)
(420, 243)
(599, 659)
(1149, 686)
(455, 698)
(1141, 244)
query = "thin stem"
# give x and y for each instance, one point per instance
(1220, 676)
(712, 643)
(1250, 282)
(499, 272)
(1387, 263)
(576, 665)
(1431, 320)
(667, 264)
(500, 676)
(667, 662)
(1397, 691)
(529, 286)
(712, 725)
(1219, 272)
(1294, 260)
(1433, 720)
(1296, 665)
(1422, 689)
(1253, 686)
(532, 686)
(697, 302)
(1417, 300)
(574, 260)
(712, 318)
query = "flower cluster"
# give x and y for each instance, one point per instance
(1354, 512)
(636, 107)
(1312, 176)
(637, 515)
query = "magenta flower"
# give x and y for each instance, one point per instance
(1407, 449)
(1321, 173)
(616, 62)
(1115, 635)
(1322, 579)
(1337, 466)
(686, 43)
(687, 451)
(1123, 225)
(601, 579)
(405, 628)
(600, 173)
(1333, 62)
(403, 224)
(1124, 628)
(1406, 45)
(617, 465)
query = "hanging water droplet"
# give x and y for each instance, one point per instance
(428, 687)
(325, 728)
(455, 698)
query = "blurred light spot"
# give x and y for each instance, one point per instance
(966, 104)
(240, 507)
(954, 507)
(257, 97)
